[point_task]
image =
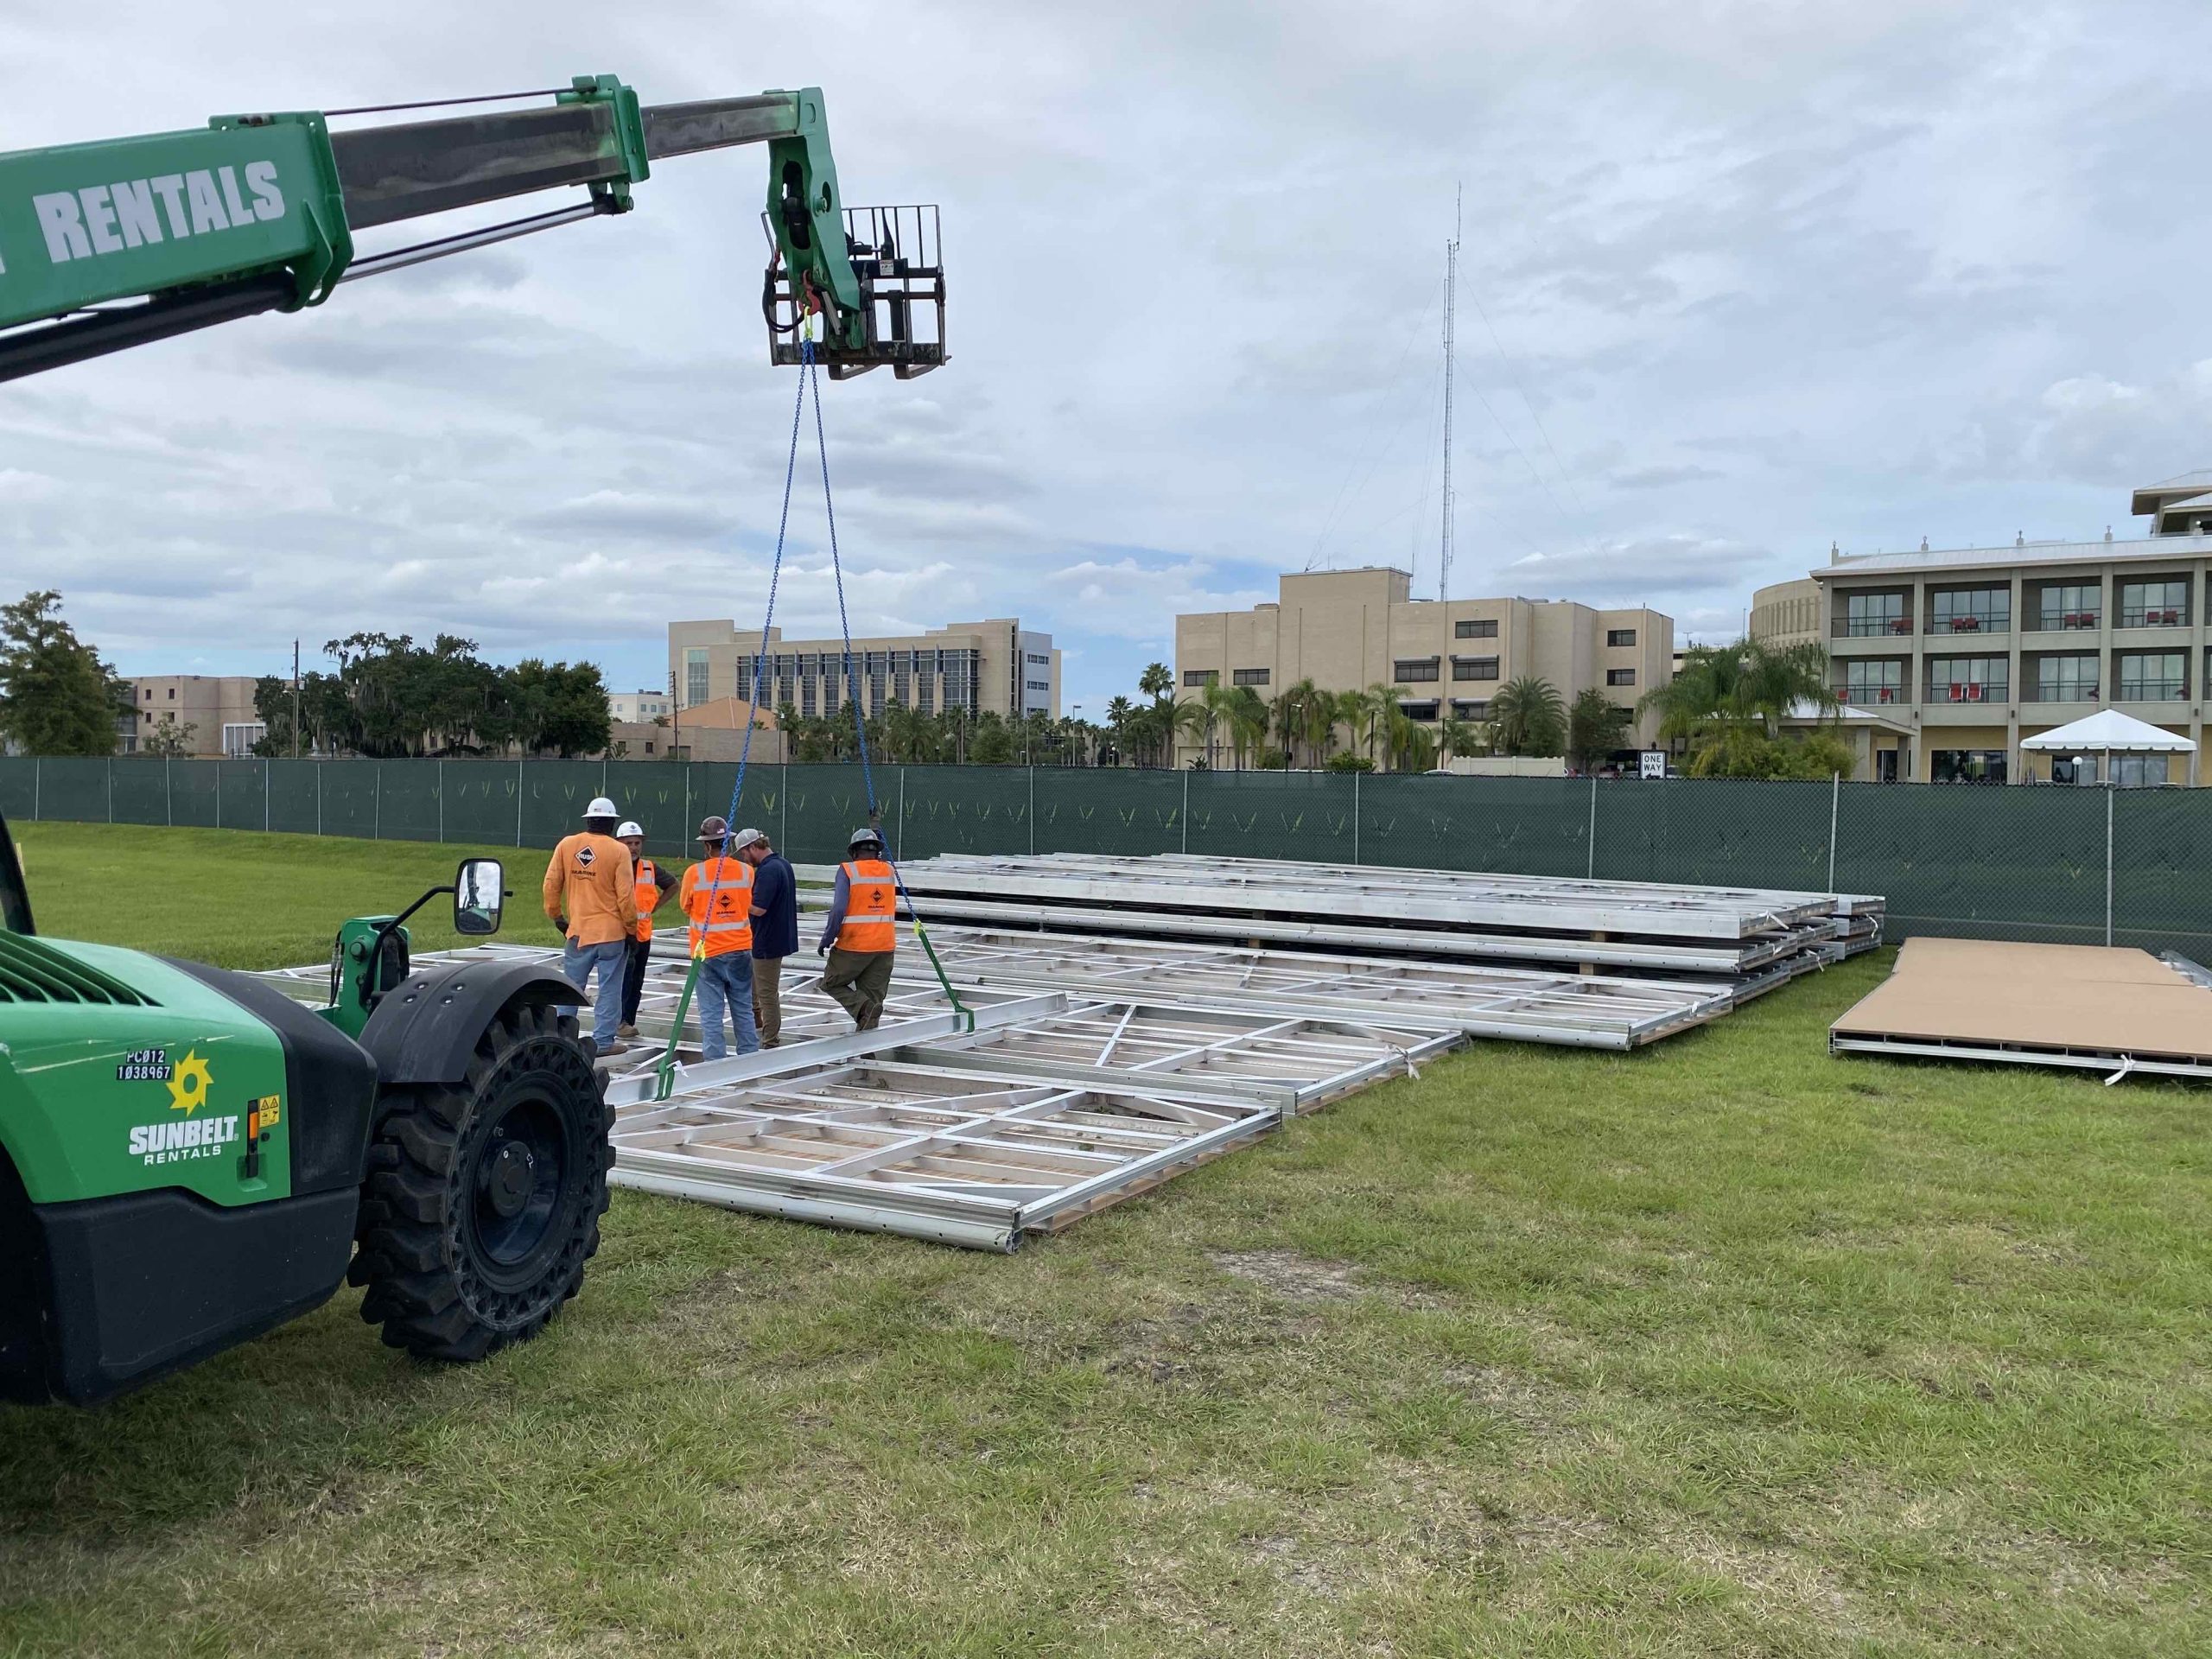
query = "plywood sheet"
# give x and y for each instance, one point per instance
(2036, 997)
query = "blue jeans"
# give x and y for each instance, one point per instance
(725, 984)
(612, 958)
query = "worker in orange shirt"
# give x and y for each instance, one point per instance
(717, 895)
(591, 896)
(858, 936)
(653, 884)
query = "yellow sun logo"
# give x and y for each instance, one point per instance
(188, 1084)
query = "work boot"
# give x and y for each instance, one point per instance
(625, 1031)
(612, 1049)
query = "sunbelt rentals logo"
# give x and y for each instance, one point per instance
(182, 1140)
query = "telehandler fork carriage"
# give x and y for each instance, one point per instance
(123, 242)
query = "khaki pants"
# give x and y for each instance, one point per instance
(768, 999)
(859, 979)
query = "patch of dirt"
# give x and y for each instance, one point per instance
(1295, 1278)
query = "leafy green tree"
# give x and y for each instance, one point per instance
(993, 745)
(57, 697)
(1527, 717)
(1457, 736)
(1596, 726)
(167, 738)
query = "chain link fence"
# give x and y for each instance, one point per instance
(2070, 866)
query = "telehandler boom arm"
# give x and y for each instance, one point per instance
(119, 242)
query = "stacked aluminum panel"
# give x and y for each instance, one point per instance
(1738, 934)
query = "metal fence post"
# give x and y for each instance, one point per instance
(219, 794)
(683, 841)
(2108, 866)
(318, 797)
(783, 812)
(38, 776)
(376, 807)
(521, 784)
(1355, 818)
(1186, 809)
(111, 789)
(266, 765)
(1835, 811)
(168, 792)
(441, 786)
(901, 820)
(1032, 811)
(1593, 827)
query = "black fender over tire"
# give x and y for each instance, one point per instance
(483, 1196)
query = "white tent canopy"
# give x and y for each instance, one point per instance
(2109, 732)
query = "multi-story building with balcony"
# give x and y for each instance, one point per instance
(1974, 648)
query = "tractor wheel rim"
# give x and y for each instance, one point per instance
(519, 1176)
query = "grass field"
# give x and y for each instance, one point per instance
(1728, 1347)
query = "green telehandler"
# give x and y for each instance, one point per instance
(188, 1157)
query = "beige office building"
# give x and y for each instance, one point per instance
(1974, 648)
(1788, 613)
(1346, 630)
(996, 667)
(218, 708)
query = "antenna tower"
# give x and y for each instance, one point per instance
(1450, 317)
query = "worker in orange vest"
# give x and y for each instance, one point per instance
(717, 895)
(859, 937)
(590, 896)
(652, 885)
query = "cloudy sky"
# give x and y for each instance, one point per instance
(1740, 278)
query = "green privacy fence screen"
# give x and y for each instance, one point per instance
(2067, 865)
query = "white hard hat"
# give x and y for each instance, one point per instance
(630, 827)
(600, 807)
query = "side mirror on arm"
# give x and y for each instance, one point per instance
(479, 896)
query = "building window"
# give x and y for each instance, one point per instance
(172, 694)
(239, 737)
(1469, 709)
(2151, 677)
(1408, 670)
(149, 694)
(2066, 679)
(1970, 610)
(1873, 679)
(1038, 685)
(1969, 679)
(2070, 604)
(1421, 711)
(1038, 660)
(1967, 765)
(695, 674)
(1474, 668)
(1867, 614)
(1481, 627)
(2154, 604)
(1616, 637)
(1201, 677)
(1249, 677)
(1620, 677)
(2140, 771)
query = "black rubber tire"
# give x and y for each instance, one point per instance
(451, 1273)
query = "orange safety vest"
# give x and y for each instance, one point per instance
(726, 884)
(648, 895)
(871, 902)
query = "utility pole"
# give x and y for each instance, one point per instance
(676, 719)
(1451, 319)
(295, 699)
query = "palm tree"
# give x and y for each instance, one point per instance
(1186, 717)
(1248, 722)
(1118, 713)
(1528, 718)
(1455, 736)
(1724, 694)
(1350, 712)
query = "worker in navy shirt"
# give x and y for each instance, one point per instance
(775, 930)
